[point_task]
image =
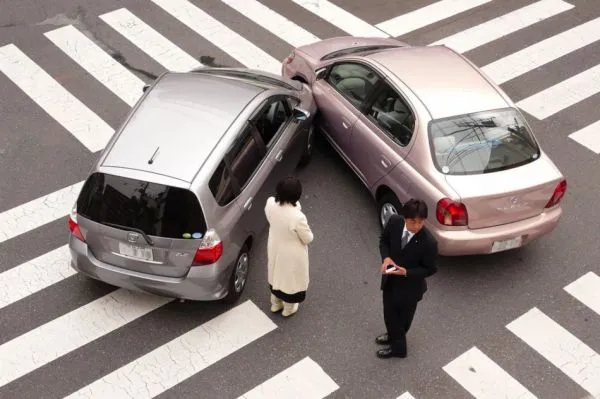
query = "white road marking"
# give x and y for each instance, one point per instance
(35, 275)
(38, 212)
(97, 63)
(184, 356)
(435, 12)
(220, 35)
(589, 137)
(48, 94)
(563, 95)
(586, 290)
(273, 22)
(340, 18)
(71, 331)
(483, 378)
(543, 52)
(561, 348)
(406, 395)
(304, 380)
(147, 39)
(504, 25)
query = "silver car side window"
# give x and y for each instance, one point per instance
(271, 120)
(236, 168)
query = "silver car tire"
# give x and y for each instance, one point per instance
(388, 205)
(308, 147)
(239, 276)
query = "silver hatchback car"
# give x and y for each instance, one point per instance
(175, 200)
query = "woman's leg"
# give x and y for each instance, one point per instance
(276, 304)
(289, 309)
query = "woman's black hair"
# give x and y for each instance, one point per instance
(288, 191)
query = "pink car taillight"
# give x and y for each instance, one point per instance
(559, 193)
(451, 213)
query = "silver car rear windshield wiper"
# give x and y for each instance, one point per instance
(118, 226)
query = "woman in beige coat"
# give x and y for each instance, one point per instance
(287, 247)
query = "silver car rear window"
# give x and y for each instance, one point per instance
(156, 209)
(482, 142)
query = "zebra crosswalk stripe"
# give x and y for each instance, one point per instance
(184, 356)
(483, 378)
(146, 38)
(220, 35)
(504, 25)
(304, 380)
(561, 348)
(97, 63)
(69, 332)
(275, 23)
(33, 276)
(48, 94)
(586, 290)
(427, 15)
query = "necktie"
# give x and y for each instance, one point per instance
(404, 240)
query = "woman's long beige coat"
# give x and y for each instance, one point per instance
(287, 247)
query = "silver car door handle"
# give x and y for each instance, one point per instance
(248, 204)
(279, 156)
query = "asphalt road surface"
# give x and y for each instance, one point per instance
(518, 324)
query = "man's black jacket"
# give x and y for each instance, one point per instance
(418, 257)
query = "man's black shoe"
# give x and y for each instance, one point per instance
(383, 339)
(387, 353)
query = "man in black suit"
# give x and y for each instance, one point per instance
(409, 253)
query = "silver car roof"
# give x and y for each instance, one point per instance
(176, 126)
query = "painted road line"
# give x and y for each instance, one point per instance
(71, 331)
(543, 52)
(304, 380)
(561, 348)
(406, 395)
(38, 212)
(340, 18)
(273, 22)
(427, 15)
(147, 39)
(97, 63)
(483, 378)
(589, 137)
(586, 290)
(220, 35)
(55, 100)
(563, 95)
(35, 275)
(502, 26)
(184, 356)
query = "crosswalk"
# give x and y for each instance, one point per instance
(237, 328)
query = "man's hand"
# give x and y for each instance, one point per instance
(398, 271)
(386, 262)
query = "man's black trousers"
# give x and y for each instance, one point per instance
(398, 314)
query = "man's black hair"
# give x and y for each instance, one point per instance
(288, 191)
(415, 209)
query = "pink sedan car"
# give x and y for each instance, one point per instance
(425, 122)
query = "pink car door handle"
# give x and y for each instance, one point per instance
(385, 162)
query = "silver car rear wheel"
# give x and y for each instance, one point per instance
(241, 272)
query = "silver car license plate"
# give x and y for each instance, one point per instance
(133, 251)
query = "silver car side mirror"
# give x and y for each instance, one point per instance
(300, 114)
